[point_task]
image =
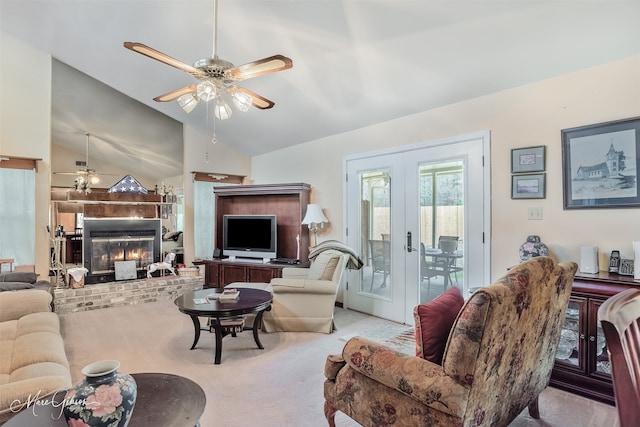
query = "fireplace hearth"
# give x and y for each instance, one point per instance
(107, 241)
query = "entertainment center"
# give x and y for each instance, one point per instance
(287, 203)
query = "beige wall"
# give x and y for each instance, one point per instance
(525, 116)
(25, 124)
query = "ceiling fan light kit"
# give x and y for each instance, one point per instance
(217, 78)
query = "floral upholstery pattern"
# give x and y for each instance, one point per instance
(498, 359)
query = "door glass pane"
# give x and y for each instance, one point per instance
(375, 222)
(569, 345)
(441, 228)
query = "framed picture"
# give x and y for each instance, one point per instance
(528, 186)
(529, 159)
(600, 164)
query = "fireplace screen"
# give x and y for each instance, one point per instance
(107, 241)
(106, 251)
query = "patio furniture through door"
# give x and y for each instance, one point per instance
(416, 201)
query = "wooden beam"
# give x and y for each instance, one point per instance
(218, 177)
(12, 162)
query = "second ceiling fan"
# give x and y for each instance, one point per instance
(217, 78)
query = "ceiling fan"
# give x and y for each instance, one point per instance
(217, 77)
(85, 177)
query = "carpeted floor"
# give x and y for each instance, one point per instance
(275, 387)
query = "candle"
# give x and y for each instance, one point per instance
(636, 259)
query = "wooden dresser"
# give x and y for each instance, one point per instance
(582, 364)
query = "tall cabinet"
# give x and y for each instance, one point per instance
(288, 202)
(582, 364)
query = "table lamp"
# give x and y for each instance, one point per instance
(315, 219)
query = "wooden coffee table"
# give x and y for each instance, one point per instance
(164, 400)
(223, 315)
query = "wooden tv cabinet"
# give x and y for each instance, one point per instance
(583, 367)
(219, 273)
(288, 202)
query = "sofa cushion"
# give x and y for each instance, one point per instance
(15, 286)
(433, 323)
(19, 276)
(323, 267)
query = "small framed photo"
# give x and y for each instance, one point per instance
(600, 164)
(528, 186)
(529, 159)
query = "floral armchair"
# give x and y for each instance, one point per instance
(497, 360)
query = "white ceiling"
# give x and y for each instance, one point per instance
(356, 62)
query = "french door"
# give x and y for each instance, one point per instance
(419, 217)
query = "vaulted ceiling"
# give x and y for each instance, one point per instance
(356, 62)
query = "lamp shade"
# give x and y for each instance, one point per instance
(314, 215)
(188, 102)
(222, 109)
(241, 100)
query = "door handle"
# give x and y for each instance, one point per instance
(409, 246)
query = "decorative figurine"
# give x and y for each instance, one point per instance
(614, 262)
(626, 267)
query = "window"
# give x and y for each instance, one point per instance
(17, 215)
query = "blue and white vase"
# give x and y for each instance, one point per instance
(532, 248)
(104, 398)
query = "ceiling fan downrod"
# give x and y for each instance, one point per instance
(214, 54)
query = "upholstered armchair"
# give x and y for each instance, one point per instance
(498, 358)
(304, 298)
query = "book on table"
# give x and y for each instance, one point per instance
(229, 294)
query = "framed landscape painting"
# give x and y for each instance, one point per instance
(528, 186)
(600, 164)
(529, 159)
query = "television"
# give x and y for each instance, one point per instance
(249, 236)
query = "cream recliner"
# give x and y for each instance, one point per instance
(304, 298)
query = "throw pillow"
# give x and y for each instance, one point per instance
(324, 265)
(433, 324)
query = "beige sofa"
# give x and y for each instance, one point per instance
(33, 362)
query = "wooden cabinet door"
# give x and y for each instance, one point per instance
(598, 356)
(230, 273)
(211, 275)
(260, 274)
(571, 354)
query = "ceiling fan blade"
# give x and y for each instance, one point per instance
(165, 59)
(260, 67)
(258, 101)
(175, 94)
(66, 173)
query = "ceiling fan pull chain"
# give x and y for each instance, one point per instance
(214, 140)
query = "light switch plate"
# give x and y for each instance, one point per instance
(534, 213)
